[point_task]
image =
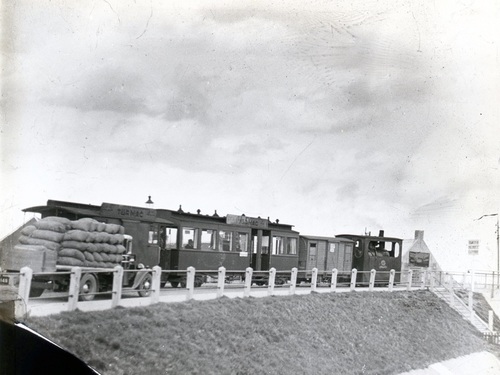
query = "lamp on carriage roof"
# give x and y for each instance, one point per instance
(149, 202)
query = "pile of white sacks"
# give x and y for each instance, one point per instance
(84, 242)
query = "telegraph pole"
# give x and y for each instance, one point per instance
(498, 247)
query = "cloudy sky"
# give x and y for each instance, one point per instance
(331, 116)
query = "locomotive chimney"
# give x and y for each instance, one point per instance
(381, 233)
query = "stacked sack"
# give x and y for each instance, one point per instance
(44, 235)
(89, 243)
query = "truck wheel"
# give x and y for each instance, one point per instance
(36, 292)
(88, 287)
(145, 286)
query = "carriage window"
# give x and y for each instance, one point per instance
(291, 246)
(225, 241)
(265, 244)
(383, 249)
(241, 241)
(152, 237)
(169, 236)
(189, 238)
(278, 246)
(208, 238)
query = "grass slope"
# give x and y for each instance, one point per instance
(344, 333)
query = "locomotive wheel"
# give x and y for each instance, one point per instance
(174, 284)
(198, 281)
(145, 286)
(88, 287)
(280, 281)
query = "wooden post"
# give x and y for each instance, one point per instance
(20, 300)
(190, 283)
(452, 294)
(272, 278)
(25, 276)
(373, 273)
(248, 281)
(221, 278)
(410, 279)
(493, 284)
(335, 272)
(354, 274)
(490, 320)
(432, 281)
(117, 286)
(391, 280)
(471, 293)
(156, 284)
(314, 279)
(74, 287)
(293, 281)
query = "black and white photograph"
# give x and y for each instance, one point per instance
(249, 187)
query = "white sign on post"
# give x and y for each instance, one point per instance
(473, 247)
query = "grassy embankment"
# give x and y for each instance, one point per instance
(345, 333)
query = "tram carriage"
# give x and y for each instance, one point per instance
(207, 242)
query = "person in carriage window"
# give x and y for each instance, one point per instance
(190, 245)
(372, 251)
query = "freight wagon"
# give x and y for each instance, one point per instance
(324, 254)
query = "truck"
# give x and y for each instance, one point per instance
(94, 238)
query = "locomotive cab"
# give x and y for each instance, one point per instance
(379, 253)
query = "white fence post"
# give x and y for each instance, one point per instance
(156, 284)
(490, 320)
(248, 281)
(373, 273)
(391, 280)
(221, 278)
(190, 282)
(335, 272)
(432, 281)
(354, 274)
(25, 276)
(117, 286)
(21, 301)
(314, 279)
(293, 281)
(450, 290)
(74, 287)
(272, 279)
(410, 279)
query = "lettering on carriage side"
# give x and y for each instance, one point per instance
(247, 221)
(113, 210)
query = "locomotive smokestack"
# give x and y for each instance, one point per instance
(381, 233)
